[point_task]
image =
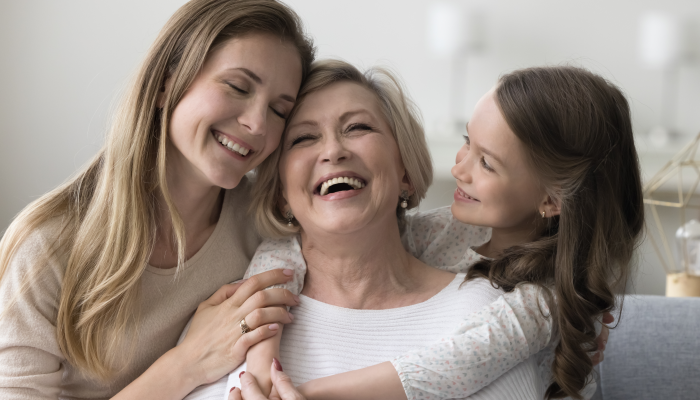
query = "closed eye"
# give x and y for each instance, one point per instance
(486, 165)
(300, 139)
(279, 114)
(358, 127)
(237, 89)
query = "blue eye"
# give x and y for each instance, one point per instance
(466, 139)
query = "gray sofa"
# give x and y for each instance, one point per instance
(654, 353)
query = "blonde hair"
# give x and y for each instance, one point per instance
(398, 111)
(108, 210)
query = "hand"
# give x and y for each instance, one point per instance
(214, 344)
(602, 339)
(282, 384)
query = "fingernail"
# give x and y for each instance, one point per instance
(231, 389)
(605, 342)
(291, 316)
(241, 374)
(277, 364)
(296, 298)
(274, 327)
(288, 272)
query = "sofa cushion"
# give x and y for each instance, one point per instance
(654, 352)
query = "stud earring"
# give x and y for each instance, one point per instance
(404, 199)
(543, 214)
(290, 218)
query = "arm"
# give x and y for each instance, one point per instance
(273, 254)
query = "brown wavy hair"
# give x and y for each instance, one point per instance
(576, 129)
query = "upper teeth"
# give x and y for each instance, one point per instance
(232, 146)
(356, 184)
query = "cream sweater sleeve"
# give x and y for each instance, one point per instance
(31, 364)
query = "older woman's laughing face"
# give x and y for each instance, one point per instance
(341, 170)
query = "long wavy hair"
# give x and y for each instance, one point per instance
(108, 211)
(576, 129)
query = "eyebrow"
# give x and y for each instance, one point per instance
(252, 75)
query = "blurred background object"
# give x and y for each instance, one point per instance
(675, 189)
(662, 47)
(65, 62)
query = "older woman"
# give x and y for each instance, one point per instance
(352, 159)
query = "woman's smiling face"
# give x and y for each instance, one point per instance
(495, 185)
(340, 168)
(232, 115)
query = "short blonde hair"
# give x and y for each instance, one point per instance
(398, 110)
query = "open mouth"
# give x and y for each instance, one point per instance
(461, 193)
(339, 184)
(235, 147)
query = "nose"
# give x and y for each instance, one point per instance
(334, 150)
(254, 118)
(462, 168)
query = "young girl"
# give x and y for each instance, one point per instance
(549, 165)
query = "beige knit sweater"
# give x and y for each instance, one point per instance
(31, 364)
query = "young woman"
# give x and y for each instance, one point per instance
(99, 277)
(549, 165)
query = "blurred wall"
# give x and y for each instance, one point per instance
(63, 64)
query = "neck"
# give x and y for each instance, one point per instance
(363, 270)
(502, 239)
(199, 207)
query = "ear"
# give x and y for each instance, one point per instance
(550, 206)
(406, 184)
(282, 203)
(162, 90)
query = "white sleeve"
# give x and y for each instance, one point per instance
(440, 240)
(488, 343)
(280, 253)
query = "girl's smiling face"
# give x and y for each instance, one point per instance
(340, 168)
(495, 184)
(232, 115)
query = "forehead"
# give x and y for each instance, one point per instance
(488, 129)
(271, 57)
(335, 100)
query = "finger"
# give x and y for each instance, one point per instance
(602, 339)
(250, 389)
(259, 282)
(252, 338)
(235, 394)
(608, 318)
(268, 315)
(283, 383)
(268, 298)
(222, 294)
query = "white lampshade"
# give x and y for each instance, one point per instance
(659, 40)
(446, 29)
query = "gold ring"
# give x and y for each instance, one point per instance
(244, 327)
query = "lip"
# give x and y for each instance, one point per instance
(234, 139)
(462, 196)
(326, 177)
